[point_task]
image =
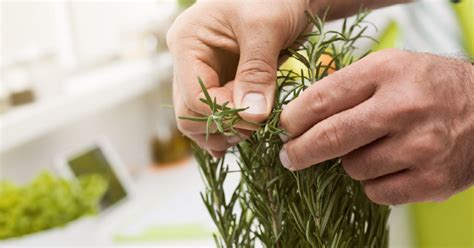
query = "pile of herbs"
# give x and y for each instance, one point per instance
(47, 202)
(320, 206)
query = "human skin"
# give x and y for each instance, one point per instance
(402, 122)
(400, 129)
(235, 51)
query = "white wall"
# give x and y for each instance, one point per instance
(17, 31)
(129, 127)
(89, 33)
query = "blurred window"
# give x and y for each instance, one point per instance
(44, 43)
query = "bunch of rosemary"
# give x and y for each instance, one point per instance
(317, 207)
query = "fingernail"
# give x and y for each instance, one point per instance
(284, 137)
(256, 103)
(285, 161)
(233, 140)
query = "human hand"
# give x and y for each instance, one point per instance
(234, 47)
(402, 122)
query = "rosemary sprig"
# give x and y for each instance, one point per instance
(222, 117)
(232, 227)
(317, 207)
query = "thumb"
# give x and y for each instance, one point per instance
(255, 81)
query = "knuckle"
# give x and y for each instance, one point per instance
(330, 137)
(386, 63)
(429, 145)
(399, 111)
(410, 106)
(257, 71)
(317, 102)
(378, 119)
(339, 80)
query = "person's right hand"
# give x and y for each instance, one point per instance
(234, 47)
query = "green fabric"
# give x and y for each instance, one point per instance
(389, 37)
(445, 225)
(465, 11)
(180, 232)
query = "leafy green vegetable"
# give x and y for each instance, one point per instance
(47, 202)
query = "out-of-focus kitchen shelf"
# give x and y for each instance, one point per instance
(84, 95)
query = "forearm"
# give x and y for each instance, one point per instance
(343, 8)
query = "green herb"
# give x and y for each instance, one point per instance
(317, 207)
(47, 202)
(222, 117)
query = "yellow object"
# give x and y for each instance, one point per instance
(445, 225)
(465, 11)
(170, 151)
(296, 65)
(292, 64)
(389, 37)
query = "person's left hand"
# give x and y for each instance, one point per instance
(402, 122)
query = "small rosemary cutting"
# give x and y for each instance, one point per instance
(272, 207)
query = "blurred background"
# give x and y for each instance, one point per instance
(89, 83)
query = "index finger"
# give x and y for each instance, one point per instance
(336, 136)
(338, 92)
(195, 61)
